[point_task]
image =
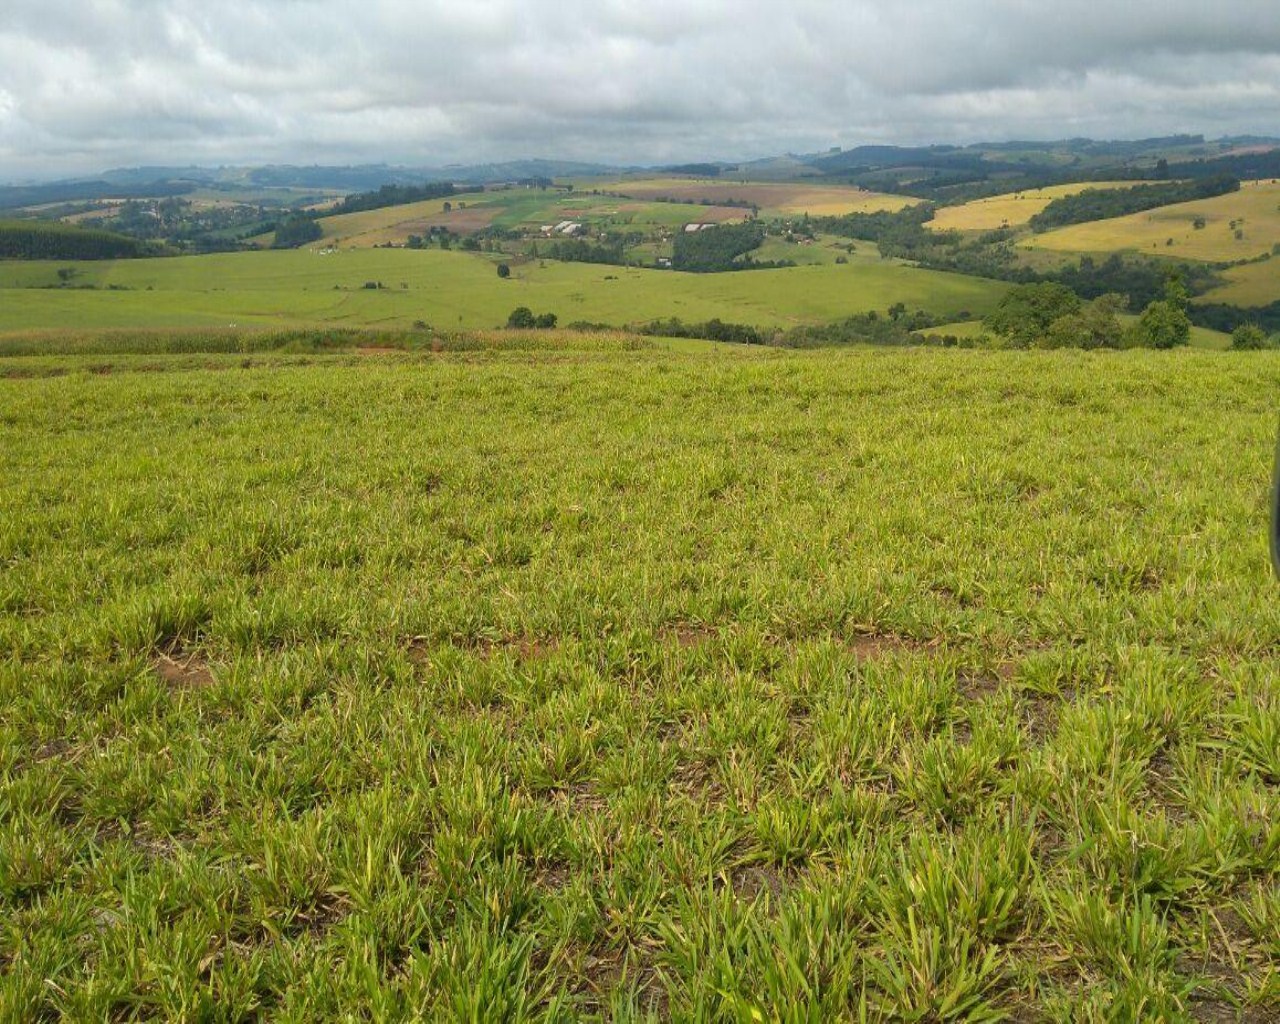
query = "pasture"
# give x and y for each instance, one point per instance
(775, 199)
(452, 290)
(1238, 226)
(1012, 210)
(572, 677)
(1252, 284)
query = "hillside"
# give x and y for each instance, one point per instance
(1239, 226)
(457, 289)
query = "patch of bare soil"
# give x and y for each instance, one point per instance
(872, 645)
(182, 670)
(688, 634)
(751, 881)
(978, 684)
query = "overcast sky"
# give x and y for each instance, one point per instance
(92, 84)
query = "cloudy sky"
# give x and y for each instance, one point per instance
(91, 84)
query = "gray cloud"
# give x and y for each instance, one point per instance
(90, 83)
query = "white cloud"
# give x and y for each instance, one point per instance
(85, 83)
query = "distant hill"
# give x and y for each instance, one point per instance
(951, 174)
(16, 197)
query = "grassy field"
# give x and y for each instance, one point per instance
(572, 677)
(453, 289)
(1013, 210)
(1170, 230)
(1254, 284)
(775, 199)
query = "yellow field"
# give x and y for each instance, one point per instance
(1011, 210)
(1171, 231)
(1254, 284)
(773, 198)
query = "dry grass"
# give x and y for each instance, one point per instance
(1171, 231)
(1012, 210)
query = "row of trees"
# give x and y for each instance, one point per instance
(1103, 204)
(399, 195)
(1050, 315)
(51, 240)
(522, 318)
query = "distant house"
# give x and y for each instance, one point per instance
(690, 229)
(568, 227)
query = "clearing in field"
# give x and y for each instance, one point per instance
(1238, 226)
(574, 678)
(773, 199)
(1012, 210)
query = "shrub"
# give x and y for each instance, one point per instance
(1249, 338)
(1162, 325)
(521, 318)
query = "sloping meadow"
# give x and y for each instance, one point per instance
(707, 683)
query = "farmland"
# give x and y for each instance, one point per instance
(516, 208)
(772, 198)
(1252, 284)
(452, 289)
(1238, 226)
(564, 677)
(1013, 210)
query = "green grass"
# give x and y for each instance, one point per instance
(568, 678)
(452, 290)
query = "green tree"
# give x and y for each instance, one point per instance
(521, 318)
(504, 271)
(1026, 312)
(1249, 337)
(1094, 326)
(1162, 325)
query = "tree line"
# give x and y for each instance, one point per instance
(399, 195)
(50, 240)
(1105, 203)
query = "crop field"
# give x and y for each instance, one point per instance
(1253, 213)
(453, 290)
(556, 677)
(773, 198)
(1013, 210)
